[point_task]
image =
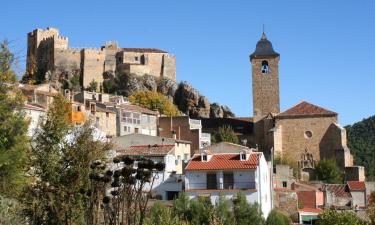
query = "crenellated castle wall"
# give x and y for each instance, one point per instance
(51, 52)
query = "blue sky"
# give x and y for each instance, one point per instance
(327, 47)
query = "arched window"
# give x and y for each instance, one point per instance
(265, 68)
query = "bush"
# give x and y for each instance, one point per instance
(225, 133)
(332, 217)
(277, 218)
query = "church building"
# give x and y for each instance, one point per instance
(302, 134)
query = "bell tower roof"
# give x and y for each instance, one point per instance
(264, 49)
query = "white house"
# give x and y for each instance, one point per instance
(214, 174)
(168, 183)
(36, 114)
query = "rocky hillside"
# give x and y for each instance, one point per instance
(188, 100)
(361, 141)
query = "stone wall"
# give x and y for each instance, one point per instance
(266, 97)
(67, 60)
(295, 141)
(93, 66)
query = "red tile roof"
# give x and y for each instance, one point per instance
(310, 210)
(306, 109)
(143, 50)
(136, 108)
(357, 185)
(307, 198)
(224, 162)
(339, 190)
(156, 150)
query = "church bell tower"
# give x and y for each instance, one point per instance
(265, 73)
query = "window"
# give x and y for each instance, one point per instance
(136, 130)
(78, 108)
(136, 58)
(107, 114)
(308, 134)
(186, 156)
(204, 158)
(243, 156)
(265, 68)
(285, 184)
(131, 118)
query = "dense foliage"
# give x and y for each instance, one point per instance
(277, 218)
(328, 172)
(13, 128)
(154, 101)
(224, 133)
(361, 141)
(61, 158)
(332, 217)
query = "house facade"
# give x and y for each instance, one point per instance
(135, 119)
(214, 174)
(167, 183)
(36, 114)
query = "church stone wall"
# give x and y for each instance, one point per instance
(295, 141)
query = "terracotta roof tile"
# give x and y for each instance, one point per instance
(136, 108)
(158, 150)
(306, 109)
(357, 185)
(307, 198)
(338, 189)
(313, 210)
(223, 162)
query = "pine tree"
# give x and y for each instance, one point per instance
(13, 128)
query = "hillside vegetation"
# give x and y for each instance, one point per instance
(361, 141)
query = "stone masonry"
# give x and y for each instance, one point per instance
(49, 51)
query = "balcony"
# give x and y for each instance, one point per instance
(191, 186)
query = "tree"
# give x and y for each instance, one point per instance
(328, 171)
(223, 211)
(332, 217)
(246, 214)
(93, 86)
(13, 127)
(361, 141)
(277, 218)
(225, 133)
(61, 162)
(154, 101)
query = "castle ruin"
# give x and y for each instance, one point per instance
(48, 51)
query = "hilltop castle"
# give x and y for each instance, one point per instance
(48, 51)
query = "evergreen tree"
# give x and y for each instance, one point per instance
(328, 171)
(13, 128)
(246, 214)
(225, 133)
(223, 211)
(61, 167)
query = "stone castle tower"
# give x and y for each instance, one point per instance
(265, 73)
(47, 50)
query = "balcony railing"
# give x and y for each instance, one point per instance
(221, 186)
